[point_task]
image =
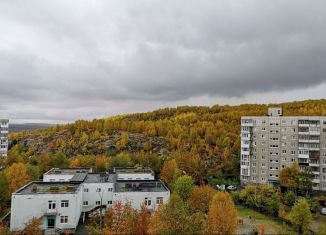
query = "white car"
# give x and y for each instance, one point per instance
(231, 187)
(323, 211)
(220, 187)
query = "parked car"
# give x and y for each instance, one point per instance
(232, 188)
(323, 211)
(220, 187)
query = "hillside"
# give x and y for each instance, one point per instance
(204, 140)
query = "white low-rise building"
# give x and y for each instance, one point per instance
(66, 195)
(132, 173)
(66, 174)
(151, 193)
(58, 205)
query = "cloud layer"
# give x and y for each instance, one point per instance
(108, 57)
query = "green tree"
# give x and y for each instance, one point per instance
(34, 172)
(300, 215)
(183, 186)
(121, 160)
(273, 205)
(290, 198)
(175, 216)
(4, 192)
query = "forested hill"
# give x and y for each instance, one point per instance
(204, 141)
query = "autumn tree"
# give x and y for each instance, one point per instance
(4, 229)
(45, 161)
(120, 219)
(170, 172)
(156, 223)
(122, 143)
(17, 176)
(143, 221)
(200, 198)
(300, 215)
(196, 223)
(222, 215)
(33, 227)
(101, 163)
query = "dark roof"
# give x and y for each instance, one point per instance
(78, 177)
(140, 186)
(100, 178)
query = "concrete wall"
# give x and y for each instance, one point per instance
(57, 177)
(138, 198)
(135, 176)
(25, 207)
(92, 195)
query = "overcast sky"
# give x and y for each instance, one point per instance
(66, 60)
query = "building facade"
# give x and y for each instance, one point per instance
(273, 142)
(66, 196)
(4, 129)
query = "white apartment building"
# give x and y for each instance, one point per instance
(66, 195)
(4, 128)
(273, 142)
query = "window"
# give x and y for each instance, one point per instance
(65, 203)
(109, 202)
(64, 219)
(51, 205)
(98, 190)
(159, 200)
(148, 201)
(86, 190)
(85, 203)
(110, 189)
(98, 203)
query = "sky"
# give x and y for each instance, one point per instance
(84, 59)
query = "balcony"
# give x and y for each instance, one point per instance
(315, 172)
(316, 181)
(304, 156)
(245, 152)
(314, 164)
(247, 124)
(245, 137)
(309, 141)
(245, 145)
(51, 212)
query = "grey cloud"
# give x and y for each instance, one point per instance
(74, 53)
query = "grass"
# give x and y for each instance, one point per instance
(272, 225)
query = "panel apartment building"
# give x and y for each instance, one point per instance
(4, 126)
(273, 142)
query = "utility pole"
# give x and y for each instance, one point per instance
(100, 193)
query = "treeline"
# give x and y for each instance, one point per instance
(203, 141)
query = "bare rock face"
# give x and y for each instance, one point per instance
(72, 146)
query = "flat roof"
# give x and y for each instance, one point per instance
(131, 170)
(78, 177)
(100, 178)
(40, 187)
(140, 186)
(282, 117)
(67, 171)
